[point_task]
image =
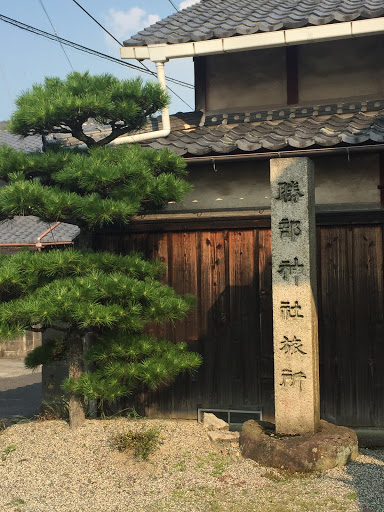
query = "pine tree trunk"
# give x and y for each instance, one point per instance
(89, 339)
(76, 368)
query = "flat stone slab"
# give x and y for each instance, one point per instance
(222, 436)
(331, 446)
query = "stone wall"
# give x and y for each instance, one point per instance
(20, 347)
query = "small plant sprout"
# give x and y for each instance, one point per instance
(9, 449)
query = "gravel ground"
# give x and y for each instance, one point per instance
(46, 467)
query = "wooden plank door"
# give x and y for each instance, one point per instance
(351, 325)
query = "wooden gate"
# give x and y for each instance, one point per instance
(229, 270)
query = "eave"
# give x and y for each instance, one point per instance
(289, 37)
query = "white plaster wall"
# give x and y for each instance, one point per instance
(343, 181)
(340, 184)
(241, 80)
(350, 68)
(333, 70)
(230, 186)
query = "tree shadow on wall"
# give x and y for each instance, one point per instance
(234, 337)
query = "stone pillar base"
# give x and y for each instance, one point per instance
(331, 446)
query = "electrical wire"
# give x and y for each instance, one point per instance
(173, 5)
(121, 44)
(84, 49)
(54, 30)
(95, 20)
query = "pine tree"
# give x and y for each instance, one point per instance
(63, 106)
(108, 296)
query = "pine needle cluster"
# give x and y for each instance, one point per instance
(101, 187)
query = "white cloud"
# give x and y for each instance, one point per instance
(123, 24)
(152, 18)
(188, 3)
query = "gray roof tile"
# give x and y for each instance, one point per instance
(225, 18)
(291, 127)
(26, 230)
(298, 132)
(27, 144)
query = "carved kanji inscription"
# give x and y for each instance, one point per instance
(292, 346)
(290, 379)
(289, 229)
(289, 269)
(289, 191)
(290, 310)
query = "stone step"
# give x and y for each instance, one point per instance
(223, 437)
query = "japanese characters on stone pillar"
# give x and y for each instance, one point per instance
(295, 331)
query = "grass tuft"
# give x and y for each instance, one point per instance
(143, 442)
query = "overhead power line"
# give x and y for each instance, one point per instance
(84, 49)
(95, 20)
(121, 44)
(173, 5)
(54, 31)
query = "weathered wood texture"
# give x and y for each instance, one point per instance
(229, 271)
(351, 324)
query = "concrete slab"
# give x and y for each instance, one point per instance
(20, 391)
(15, 368)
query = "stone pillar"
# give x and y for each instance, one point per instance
(295, 331)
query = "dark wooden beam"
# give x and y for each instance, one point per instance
(381, 185)
(292, 75)
(200, 83)
(236, 221)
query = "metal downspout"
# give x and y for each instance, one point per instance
(38, 244)
(164, 117)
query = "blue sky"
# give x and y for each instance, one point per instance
(26, 58)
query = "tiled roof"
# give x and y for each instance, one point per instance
(26, 230)
(27, 144)
(234, 133)
(326, 125)
(210, 19)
